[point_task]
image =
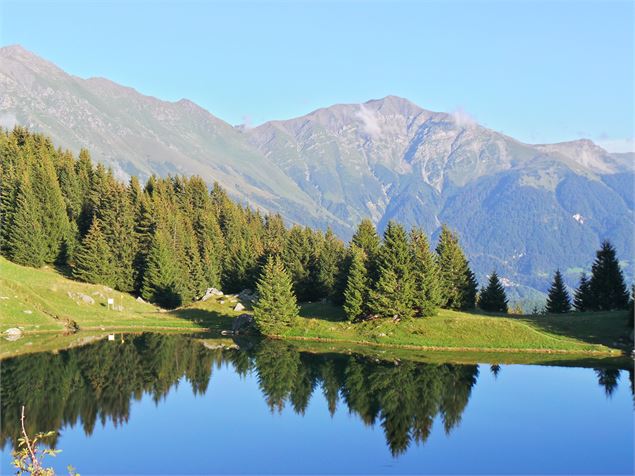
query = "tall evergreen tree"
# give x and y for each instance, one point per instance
(608, 290)
(394, 292)
(356, 292)
(428, 293)
(367, 239)
(26, 241)
(582, 298)
(94, 258)
(493, 298)
(458, 282)
(161, 280)
(276, 307)
(558, 300)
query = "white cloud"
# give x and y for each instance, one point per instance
(462, 118)
(370, 121)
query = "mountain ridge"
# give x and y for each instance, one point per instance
(386, 158)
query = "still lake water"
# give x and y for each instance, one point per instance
(159, 404)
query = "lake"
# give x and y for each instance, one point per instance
(176, 405)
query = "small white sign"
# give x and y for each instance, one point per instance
(111, 336)
(111, 301)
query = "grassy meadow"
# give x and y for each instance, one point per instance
(43, 302)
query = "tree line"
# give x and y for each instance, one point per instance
(172, 238)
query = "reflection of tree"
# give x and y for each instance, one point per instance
(277, 364)
(608, 378)
(97, 383)
(495, 369)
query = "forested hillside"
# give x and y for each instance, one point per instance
(520, 208)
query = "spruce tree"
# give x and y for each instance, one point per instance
(276, 307)
(367, 239)
(394, 292)
(161, 280)
(608, 290)
(458, 283)
(94, 258)
(558, 300)
(493, 297)
(26, 241)
(426, 270)
(582, 298)
(356, 292)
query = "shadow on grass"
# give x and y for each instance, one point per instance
(322, 310)
(212, 320)
(605, 328)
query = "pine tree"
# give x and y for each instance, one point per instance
(367, 239)
(325, 265)
(394, 293)
(608, 290)
(582, 298)
(426, 270)
(94, 259)
(26, 242)
(276, 307)
(356, 292)
(558, 300)
(161, 280)
(458, 283)
(493, 297)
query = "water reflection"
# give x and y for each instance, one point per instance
(98, 382)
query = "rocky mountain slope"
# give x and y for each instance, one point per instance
(521, 209)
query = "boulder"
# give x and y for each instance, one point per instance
(211, 292)
(81, 297)
(140, 299)
(28, 311)
(12, 334)
(242, 323)
(239, 307)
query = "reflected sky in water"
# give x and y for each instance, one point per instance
(152, 407)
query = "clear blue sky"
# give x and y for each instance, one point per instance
(537, 70)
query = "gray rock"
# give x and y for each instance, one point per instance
(242, 323)
(12, 334)
(211, 292)
(81, 297)
(239, 307)
(140, 299)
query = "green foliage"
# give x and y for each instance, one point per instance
(607, 288)
(558, 300)
(161, 281)
(582, 299)
(276, 307)
(94, 261)
(493, 297)
(394, 292)
(26, 242)
(458, 282)
(357, 286)
(428, 292)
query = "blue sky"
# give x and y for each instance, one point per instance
(537, 70)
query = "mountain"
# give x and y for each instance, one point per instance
(521, 209)
(141, 135)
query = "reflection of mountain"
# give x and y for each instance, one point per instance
(98, 382)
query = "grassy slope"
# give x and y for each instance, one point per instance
(590, 332)
(45, 293)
